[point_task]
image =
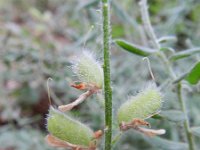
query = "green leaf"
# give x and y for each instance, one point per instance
(195, 131)
(166, 144)
(185, 53)
(194, 75)
(167, 49)
(135, 49)
(173, 115)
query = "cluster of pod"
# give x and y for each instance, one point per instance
(64, 131)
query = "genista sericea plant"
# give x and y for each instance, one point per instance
(69, 133)
(145, 104)
(68, 129)
(90, 74)
(191, 76)
(140, 107)
(64, 131)
(88, 70)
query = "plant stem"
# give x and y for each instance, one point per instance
(186, 122)
(147, 23)
(106, 67)
(152, 35)
(167, 64)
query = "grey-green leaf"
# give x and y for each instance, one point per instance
(135, 49)
(164, 144)
(195, 131)
(194, 75)
(185, 53)
(167, 38)
(167, 49)
(173, 115)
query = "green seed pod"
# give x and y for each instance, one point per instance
(65, 128)
(141, 106)
(88, 69)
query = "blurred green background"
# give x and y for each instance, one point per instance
(39, 37)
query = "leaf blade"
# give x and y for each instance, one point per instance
(167, 38)
(135, 49)
(184, 54)
(193, 76)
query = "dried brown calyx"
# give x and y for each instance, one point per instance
(91, 89)
(136, 125)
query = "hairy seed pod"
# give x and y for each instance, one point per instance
(88, 69)
(65, 128)
(141, 106)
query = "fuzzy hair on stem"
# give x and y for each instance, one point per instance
(106, 69)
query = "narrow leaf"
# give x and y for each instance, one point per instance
(167, 38)
(173, 115)
(195, 131)
(164, 144)
(181, 77)
(185, 53)
(194, 75)
(167, 49)
(135, 49)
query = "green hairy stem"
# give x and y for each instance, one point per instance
(106, 67)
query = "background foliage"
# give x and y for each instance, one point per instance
(37, 40)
